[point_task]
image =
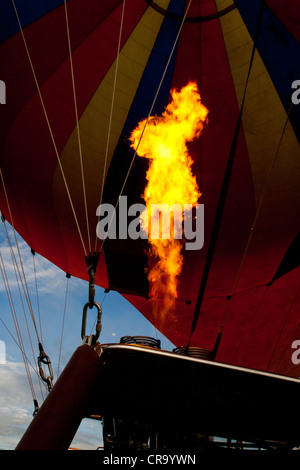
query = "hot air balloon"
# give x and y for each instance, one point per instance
(79, 79)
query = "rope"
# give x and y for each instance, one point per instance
(148, 117)
(111, 110)
(50, 129)
(18, 277)
(63, 324)
(16, 323)
(18, 345)
(77, 126)
(37, 294)
(25, 287)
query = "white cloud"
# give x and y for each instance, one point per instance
(16, 408)
(2, 352)
(47, 275)
(15, 400)
(88, 436)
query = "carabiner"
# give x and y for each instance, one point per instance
(98, 324)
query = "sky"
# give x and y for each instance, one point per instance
(57, 304)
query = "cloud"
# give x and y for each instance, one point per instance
(15, 400)
(16, 408)
(119, 319)
(2, 352)
(43, 290)
(47, 275)
(88, 436)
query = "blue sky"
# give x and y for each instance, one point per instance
(119, 318)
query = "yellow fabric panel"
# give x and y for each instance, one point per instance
(94, 122)
(264, 116)
(273, 148)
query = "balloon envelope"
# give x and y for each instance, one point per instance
(253, 281)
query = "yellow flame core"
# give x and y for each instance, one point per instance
(163, 140)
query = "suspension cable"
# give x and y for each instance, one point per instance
(147, 119)
(42, 358)
(37, 293)
(18, 345)
(24, 284)
(77, 125)
(19, 278)
(111, 111)
(18, 331)
(49, 127)
(68, 276)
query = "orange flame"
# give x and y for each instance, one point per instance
(163, 140)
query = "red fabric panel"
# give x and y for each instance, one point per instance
(260, 327)
(288, 13)
(48, 47)
(260, 320)
(28, 149)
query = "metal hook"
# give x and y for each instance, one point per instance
(92, 261)
(98, 324)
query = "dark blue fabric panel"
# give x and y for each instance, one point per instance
(28, 11)
(141, 106)
(136, 263)
(154, 71)
(279, 51)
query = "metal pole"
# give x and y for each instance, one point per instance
(57, 420)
